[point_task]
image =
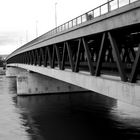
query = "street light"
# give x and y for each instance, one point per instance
(26, 36)
(55, 14)
(36, 28)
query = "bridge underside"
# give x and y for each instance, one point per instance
(110, 86)
(32, 83)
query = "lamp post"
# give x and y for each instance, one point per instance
(26, 36)
(36, 28)
(55, 14)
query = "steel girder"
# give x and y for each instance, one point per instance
(109, 53)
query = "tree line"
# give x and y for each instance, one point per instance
(2, 62)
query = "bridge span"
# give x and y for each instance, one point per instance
(98, 51)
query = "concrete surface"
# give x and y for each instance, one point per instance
(111, 87)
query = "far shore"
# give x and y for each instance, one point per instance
(2, 71)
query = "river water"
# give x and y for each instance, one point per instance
(75, 116)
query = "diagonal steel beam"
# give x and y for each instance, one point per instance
(88, 55)
(45, 56)
(53, 56)
(133, 52)
(100, 57)
(49, 56)
(23, 58)
(117, 57)
(33, 57)
(63, 57)
(42, 58)
(29, 57)
(76, 69)
(70, 56)
(135, 67)
(37, 57)
(58, 56)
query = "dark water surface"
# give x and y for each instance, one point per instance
(77, 116)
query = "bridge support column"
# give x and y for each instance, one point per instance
(13, 71)
(33, 83)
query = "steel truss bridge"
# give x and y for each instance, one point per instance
(107, 44)
(103, 41)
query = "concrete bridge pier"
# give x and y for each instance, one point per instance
(30, 83)
(13, 71)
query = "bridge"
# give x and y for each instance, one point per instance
(97, 51)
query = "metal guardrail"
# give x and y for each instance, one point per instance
(96, 12)
(105, 8)
(90, 15)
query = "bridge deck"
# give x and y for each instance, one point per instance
(108, 44)
(108, 20)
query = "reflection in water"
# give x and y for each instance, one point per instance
(129, 116)
(11, 122)
(66, 116)
(76, 116)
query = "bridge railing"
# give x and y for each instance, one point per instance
(96, 12)
(88, 16)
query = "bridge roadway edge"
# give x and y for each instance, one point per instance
(109, 86)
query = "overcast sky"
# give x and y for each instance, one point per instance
(19, 18)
